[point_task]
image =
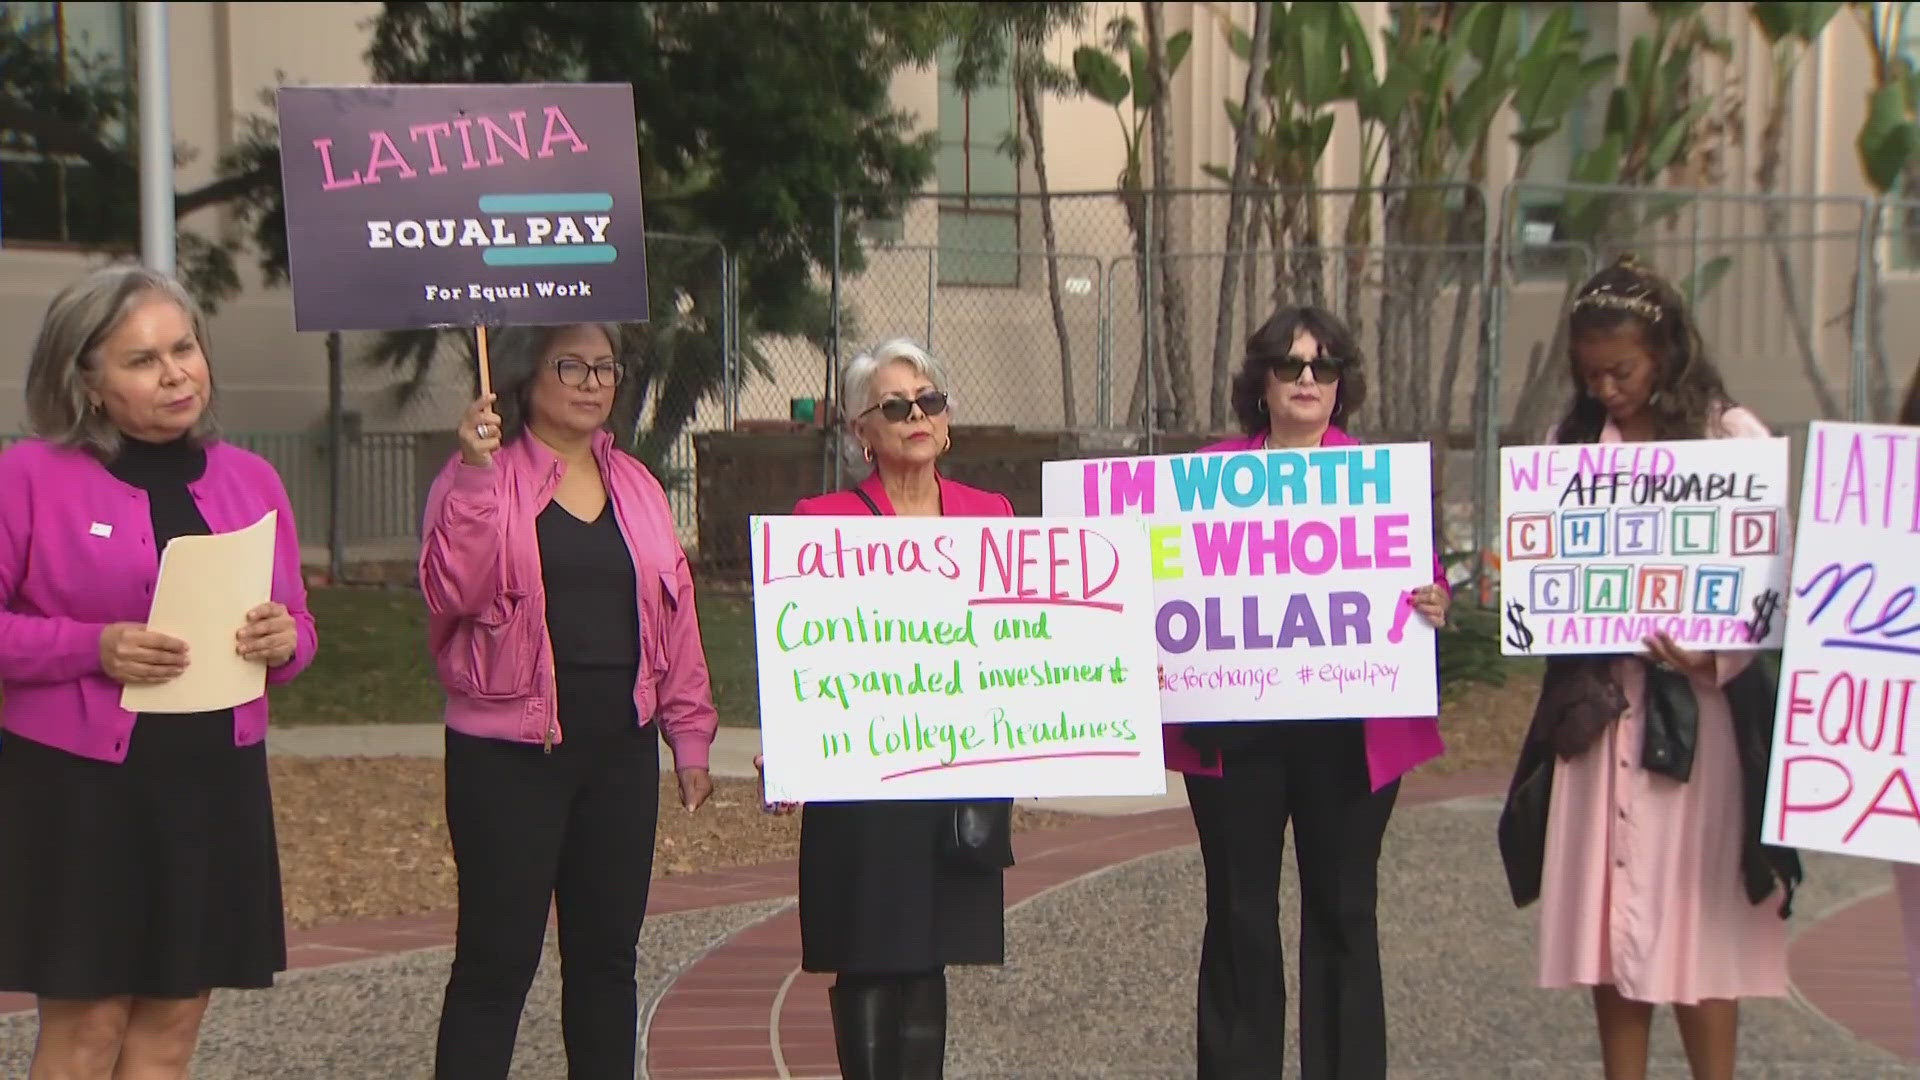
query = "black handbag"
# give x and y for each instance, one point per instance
(979, 835)
(976, 835)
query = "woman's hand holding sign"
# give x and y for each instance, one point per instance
(1431, 602)
(479, 433)
(760, 766)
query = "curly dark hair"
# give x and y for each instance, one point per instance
(1272, 343)
(1687, 390)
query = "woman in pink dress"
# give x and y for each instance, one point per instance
(1654, 887)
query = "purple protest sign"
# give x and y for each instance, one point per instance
(419, 206)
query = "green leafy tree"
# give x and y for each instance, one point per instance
(77, 113)
(1660, 123)
(1889, 148)
(1134, 93)
(1009, 40)
(752, 117)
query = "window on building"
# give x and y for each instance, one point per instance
(60, 198)
(1539, 214)
(979, 231)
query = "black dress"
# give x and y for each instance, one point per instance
(877, 897)
(157, 877)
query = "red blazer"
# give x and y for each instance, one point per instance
(1394, 745)
(956, 500)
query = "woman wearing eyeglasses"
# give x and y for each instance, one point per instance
(884, 904)
(1334, 780)
(562, 626)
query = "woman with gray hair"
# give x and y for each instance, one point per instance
(562, 626)
(138, 864)
(891, 893)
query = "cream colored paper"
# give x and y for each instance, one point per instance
(207, 585)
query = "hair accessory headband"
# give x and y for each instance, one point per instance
(1637, 302)
(1607, 297)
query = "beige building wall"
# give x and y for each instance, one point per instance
(225, 55)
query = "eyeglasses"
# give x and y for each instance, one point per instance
(897, 409)
(1326, 369)
(575, 373)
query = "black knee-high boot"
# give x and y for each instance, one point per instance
(923, 1033)
(867, 1019)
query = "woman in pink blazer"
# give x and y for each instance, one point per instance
(881, 904)
(562, 625)
(1335, 781)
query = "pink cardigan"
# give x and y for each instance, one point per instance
(77, 553)
(1395, 745)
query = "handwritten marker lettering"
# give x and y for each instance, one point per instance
(1846, 730)
(1608, 544)
(1400, 613)
(1255, 551)
(904, 658)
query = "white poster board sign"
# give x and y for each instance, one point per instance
(932, 658)
(1841, 775)
(1281, 577)
(1606, 544)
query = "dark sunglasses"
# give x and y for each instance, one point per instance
(1326, 369)
(897, 409)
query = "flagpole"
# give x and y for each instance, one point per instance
(157, 228)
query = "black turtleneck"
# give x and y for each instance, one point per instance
(163, 471)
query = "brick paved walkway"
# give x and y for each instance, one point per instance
(744, 1010)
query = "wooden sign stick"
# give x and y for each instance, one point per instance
(480, 342)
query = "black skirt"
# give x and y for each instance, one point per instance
(876, 897)
(158, 877)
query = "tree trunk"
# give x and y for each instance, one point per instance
(1778, 226)
(1174, 342)
(1250, 266)
(1030, 106)
(1134, 201)
(1217, 413)
(1357, 239)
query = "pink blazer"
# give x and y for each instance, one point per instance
(486, 600)
(1395, 745)
(956, 500)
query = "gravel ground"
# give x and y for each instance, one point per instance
(377, 1018)
(1459, 965)
(366, 837)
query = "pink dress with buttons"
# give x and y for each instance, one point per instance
(1641, 887)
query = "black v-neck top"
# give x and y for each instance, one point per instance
(593, 607)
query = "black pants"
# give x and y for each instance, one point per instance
(1314, 775)
(574, 829)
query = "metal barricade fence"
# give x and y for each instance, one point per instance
(1803, 302)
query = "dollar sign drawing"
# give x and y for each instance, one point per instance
(1764, 607)
(1520, 638)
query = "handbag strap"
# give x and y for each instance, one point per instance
(868, 499)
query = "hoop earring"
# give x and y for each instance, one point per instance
(1263, 406)
(948, 446)
(866, 452)
(1653, 398)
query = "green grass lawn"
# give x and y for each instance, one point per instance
(373, 665)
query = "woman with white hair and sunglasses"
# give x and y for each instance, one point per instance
(890, 893)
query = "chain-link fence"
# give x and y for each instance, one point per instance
(1060, 319)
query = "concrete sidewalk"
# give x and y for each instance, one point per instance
(732, 756)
